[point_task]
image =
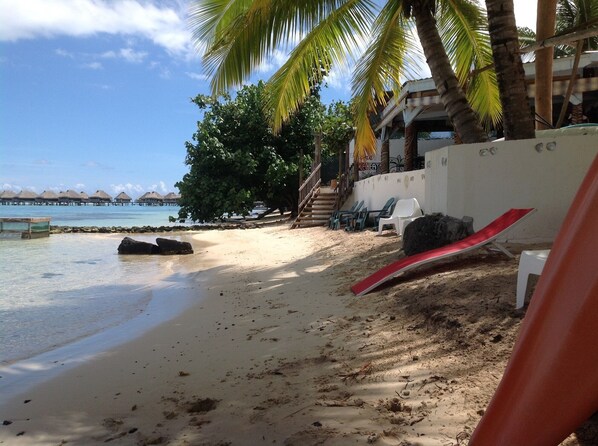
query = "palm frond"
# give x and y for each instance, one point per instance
(331, 42)
(384, 64)
(463, 27)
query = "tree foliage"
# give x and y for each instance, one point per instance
(237, 36)
(235, 159)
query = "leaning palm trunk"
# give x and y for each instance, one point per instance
(518, 122)
(454, 100)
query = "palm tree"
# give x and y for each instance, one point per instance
(240, 34)
(518, 122)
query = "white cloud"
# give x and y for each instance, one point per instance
(12, 187)
(197, 76)
(93, 66)
(128, 54)
(79, 186)
(64, 53)
(161, 187)
(128, 188)
(164, 25)
(273, 63)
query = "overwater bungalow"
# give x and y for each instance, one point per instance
(151, 199)
(171, 199)
(47, 197)
(100, 197)
(84, 197)
(70, 197)
(122, 198)
(7, 196)
(25, 197)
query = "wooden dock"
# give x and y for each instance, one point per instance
(28, 227)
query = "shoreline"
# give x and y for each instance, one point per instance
(163, 305)
(281, 352)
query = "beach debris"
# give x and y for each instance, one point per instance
(203, 405)
(20, 434)
(365, 370)
(6, 423)
(182, 373)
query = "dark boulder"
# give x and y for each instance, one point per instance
(169, 247)
(434, 231)
(130, 246)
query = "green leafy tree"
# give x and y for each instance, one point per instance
(239, 34)
(235, 159)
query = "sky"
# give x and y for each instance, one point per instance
(96, 95)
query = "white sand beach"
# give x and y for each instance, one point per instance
(277, 350)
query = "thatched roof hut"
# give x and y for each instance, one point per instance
(172, 198)
(26, 196)
(7, 196)
(48, 196)
(150, 198)
(70, 196)
(84, 197)
(99, 196)
(122, 198)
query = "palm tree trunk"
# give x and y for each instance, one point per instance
(462, 116)
(545, 26)
(518, 122)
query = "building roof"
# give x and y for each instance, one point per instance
(7, 194)
(151, 196)
(419, 99)
(26, 195)
(122, 196)
(69, 195)
(48, 195)
(100, 194)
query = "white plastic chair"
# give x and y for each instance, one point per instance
(530, 262)
(406, 210)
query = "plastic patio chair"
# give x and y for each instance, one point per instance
(358, 221)
(385, 212)
(530, 262)
(406, 210)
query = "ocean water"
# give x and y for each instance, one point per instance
(65, 288)
(125, 216)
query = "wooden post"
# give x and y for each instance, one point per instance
(545, 26)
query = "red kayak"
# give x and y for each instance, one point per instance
(550, 385)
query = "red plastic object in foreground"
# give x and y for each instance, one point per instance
(550, 385)
(481, 238)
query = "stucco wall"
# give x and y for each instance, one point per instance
(485, 180)
(376, 190)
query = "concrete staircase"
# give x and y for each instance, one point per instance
(318, 211)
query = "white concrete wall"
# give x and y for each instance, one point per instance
(485, 180)
(376, 190)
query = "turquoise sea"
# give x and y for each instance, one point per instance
(126, 216)
(65, 289)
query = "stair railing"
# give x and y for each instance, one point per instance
(345, 186)
(309, 187)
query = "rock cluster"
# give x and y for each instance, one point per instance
(434, 231)
(163, 246)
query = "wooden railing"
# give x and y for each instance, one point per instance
(345, 186)
(309, 187)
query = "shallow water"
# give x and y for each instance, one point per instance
(125, 216)
(61, 288)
